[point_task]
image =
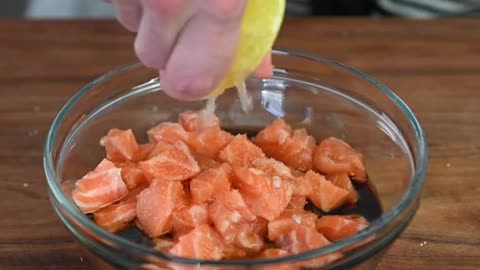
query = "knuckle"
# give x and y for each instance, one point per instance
(167, 7)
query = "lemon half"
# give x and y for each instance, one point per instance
(260, 26)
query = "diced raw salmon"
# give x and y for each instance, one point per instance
(187, 218)
(297, 202)
(285, 223)
(333, 155)
(240, 152)
(168, 132)
(120, 145)
(231, 252)
(298, 152)
(143, 152)
(325, 194)
(118, 216)
(197, 120)
(295, 148)
(132, 176)
(336, 227)
(159, 147)
(205, 162)
(301, 186)
(273, 167)
(175, 163)
(201, 243)
(342, 180)
(99, 188)
(209, 141)
(303, 238)
(210, 182)
(266, 196)
(227, 212)
(156, 204)
(251, 235)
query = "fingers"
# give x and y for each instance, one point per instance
(265, 69)
(205, 50)
(160, 25)
(129, 13)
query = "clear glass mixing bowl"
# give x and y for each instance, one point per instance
(322, 95)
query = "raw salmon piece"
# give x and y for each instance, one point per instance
(210, 182)
(159, 147)
(342, 180)
(297, 173)
(231, 252)
(240, 151)
(285, 223)
(325, 195)
(201, 243)
(99, 188)
(273, 167)
(303, 238)
(333, 155)
(297, 202)
(205, 162)
(295, 148)
(156, 204)
(143, 152)
(227, 212)
(301, 186)
(168, 132)
(209, 141)
(132, 176)
(197, 120)
(266, 196)
(336, 227)
(187, 218)
(298, 152)
(251, 235)
(163, 243)
(118, 216)
(120, 145)
(175, 163)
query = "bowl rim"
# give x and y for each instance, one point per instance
(113, 240)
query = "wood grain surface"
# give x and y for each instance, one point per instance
(433, 65)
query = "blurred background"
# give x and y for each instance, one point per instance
(403, 8)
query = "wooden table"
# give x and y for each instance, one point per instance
(433, 65)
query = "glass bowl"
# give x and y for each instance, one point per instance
(320, 94)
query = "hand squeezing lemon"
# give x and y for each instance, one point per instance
(201, 47)
(260, 25)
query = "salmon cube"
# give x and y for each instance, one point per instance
(132, 176)
(342, 180)
(251, 235)
(240, 152)
(120, 145)
(118, 216)
(227, 212)
(168, 132)
(333, 155)
(297, 202)
(273, 253)
(273, 167)
(303, 238)
(201, 243)
(197, 120)
(143, 152)
(336, 227)
(209, 141)
(295, 148)
(163, 243)
(210, 182)
(156, 204)
(205, 162)
(99, 188)
(301, 186)
(187, 218)
(175, 163)
(285, 223)
(266, 196)
(325, 194)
